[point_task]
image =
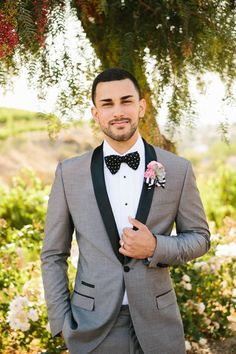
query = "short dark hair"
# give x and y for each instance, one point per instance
(114, 74)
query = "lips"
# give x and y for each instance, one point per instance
(120, 122)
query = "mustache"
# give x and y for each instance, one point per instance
(119, 120)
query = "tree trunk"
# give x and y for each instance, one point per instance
(117, 51)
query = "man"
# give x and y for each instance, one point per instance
(123, 299)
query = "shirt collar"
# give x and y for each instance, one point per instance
(138, 146)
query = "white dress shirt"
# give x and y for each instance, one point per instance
(124, 188)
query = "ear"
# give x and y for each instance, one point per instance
(142, 107)
(94, 112)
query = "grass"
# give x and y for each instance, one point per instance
(14, 122)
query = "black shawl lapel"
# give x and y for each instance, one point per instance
(146, 194)
(97, 172)
(145, 200)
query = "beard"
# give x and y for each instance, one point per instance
(120, 136)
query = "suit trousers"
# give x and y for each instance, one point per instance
(122, 338)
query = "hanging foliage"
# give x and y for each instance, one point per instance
(8, 33)
(41, 9)
(180, 38)
(166, 41)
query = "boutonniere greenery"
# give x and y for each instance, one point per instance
(155, 175)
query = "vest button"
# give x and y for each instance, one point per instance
(126, 268)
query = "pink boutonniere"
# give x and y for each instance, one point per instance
(155, 175)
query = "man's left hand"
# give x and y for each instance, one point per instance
(138, 244)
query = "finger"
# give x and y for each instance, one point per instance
(125, 252)
(127, 232)
(136, 223)
(128, 239)
(122, 243)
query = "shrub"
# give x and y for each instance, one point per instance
(219, 194)
(206, 293)
(205, 288)
(25, 202)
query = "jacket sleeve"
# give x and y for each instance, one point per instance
(192, 237)
(56, 249)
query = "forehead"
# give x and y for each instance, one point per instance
(115, 89)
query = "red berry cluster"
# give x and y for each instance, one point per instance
(8, 37)
(41, 10)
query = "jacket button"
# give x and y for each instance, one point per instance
(126, 268)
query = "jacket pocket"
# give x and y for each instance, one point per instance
(166, 299)
(84, 301)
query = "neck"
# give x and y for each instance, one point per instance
(121, 147)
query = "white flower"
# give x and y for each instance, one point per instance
(197, 265)
(232, 232)
(228, 250)
(217, 262)
(33, 315)
(201, 265)
(202, 341)
(18, 303)
(186, 278)
(13, 323)
(18, 320)
(24, 326)
(215, 237)
(17, 316)
(187, 286)
(200, 307)
(216, 325)
(27, 226)
(188, 345)
(234, 292)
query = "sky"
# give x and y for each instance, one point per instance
(210, 107)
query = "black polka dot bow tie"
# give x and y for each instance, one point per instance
(113, 162)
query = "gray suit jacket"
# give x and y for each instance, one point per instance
(79, 201)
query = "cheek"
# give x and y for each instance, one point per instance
(131, 112)
(102, 119)
(106, 117)
(135, 113)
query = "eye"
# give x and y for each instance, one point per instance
(127, 101)
(107, 104)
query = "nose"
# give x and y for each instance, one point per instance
(118, 112)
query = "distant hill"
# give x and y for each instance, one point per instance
(25, 142)
(206, 148)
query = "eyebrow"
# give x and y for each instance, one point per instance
(122, 98)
